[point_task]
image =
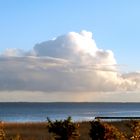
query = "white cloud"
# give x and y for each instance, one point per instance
(68, 63)
(76, 47)
(13, 52)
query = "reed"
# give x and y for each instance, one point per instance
(39, 131)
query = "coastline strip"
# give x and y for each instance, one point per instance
(122, 118)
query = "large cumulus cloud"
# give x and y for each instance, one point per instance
(67, 63)
(77, 47)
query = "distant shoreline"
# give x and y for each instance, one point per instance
(75, 102)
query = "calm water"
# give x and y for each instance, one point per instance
(34, 112)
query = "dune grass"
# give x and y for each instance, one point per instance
(39, 131)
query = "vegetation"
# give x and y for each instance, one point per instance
(63, 130)
(2, 132)
(112, 133)
(97, 131)
(135, 126)
(17, 137)
(68, 130)
(104, 131)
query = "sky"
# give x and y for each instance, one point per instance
(83, 50)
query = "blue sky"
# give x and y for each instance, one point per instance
(114, 24)
(72, 57)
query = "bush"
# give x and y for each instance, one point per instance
(17, 137)
(104, 131)
(112, 133)
(2, 132)
(97, 131)
(63, 129)
(135, 130)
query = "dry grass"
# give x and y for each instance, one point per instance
(38, 131)
(28, 131)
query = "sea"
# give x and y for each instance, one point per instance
(38, 112)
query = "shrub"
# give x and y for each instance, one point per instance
(2, 132)
(17, 137)
(97, 131)
(63, 129)
(104, 131)
(112, 133)
(135, 130)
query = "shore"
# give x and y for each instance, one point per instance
(38, 131)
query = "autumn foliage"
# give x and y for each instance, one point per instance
(68, 130)
(104, 131)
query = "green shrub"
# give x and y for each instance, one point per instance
(63, 129)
